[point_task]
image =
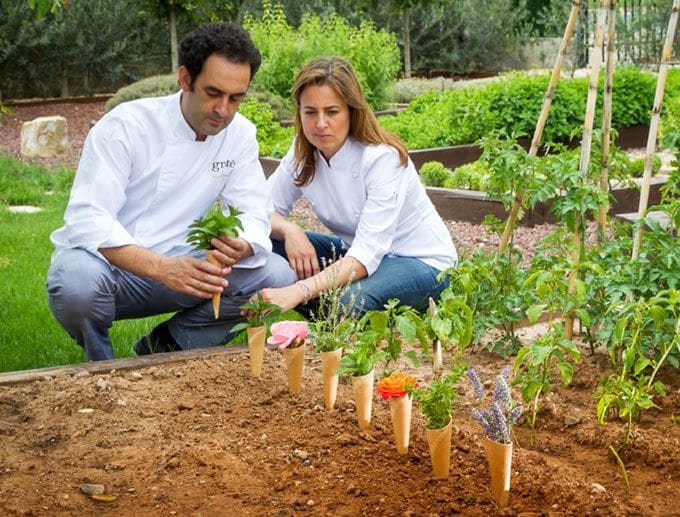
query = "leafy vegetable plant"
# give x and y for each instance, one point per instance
(260, 313)
(435, 401)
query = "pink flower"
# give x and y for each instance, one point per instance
(288, 334)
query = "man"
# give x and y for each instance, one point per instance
(149, 168)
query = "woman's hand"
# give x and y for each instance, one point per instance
(287, 297)
(301, 254)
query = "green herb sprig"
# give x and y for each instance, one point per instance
(213, 225)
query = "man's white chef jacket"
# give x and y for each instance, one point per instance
(143, 179)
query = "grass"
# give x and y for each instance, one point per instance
(30, 337)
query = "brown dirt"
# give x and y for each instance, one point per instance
(202, 437)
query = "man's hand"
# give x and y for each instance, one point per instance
(229, 250)
(194, 276)
(301, 254)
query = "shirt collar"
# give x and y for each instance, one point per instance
(181, 127)
(341, 157)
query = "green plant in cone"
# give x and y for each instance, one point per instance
(213, 225)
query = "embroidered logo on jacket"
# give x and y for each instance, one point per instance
(221, 169)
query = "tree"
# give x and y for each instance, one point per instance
(171, 10)
(404, 8)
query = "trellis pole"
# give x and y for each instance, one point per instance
(607, 116)
(654, 124)
(542, 118)
(586, 144)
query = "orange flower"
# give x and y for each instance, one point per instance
(396, 385)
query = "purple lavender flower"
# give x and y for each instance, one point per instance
(476, 383)
(501, 393)
(497, 422)
(505, 372)
(516, 413)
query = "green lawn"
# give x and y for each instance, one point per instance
(29, 335)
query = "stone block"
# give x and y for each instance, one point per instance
(44, 137)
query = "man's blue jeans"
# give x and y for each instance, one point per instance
(408, 279)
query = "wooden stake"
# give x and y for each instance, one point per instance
(654, 124)
(607, 116)
(542, 118)
(586, 144)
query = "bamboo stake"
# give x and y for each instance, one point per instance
(586, 144)
(607, 117)
(542, 118)
(654, 124)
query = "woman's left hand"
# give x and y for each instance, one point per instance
(287, 297)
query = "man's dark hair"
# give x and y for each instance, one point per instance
(227, 39)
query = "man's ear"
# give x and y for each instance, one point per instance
(184, 78)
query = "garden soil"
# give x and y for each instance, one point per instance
(203, 437)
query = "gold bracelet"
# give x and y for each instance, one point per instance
(306, 293)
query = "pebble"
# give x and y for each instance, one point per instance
(347, 439)
(311, 502)
(597, 489)
(570, 420)
(300, 454)
(91, 488)
(102, 384)
(81, 374)
(135, 376)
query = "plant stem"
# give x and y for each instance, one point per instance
(621, 465)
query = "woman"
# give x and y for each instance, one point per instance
(389, 241)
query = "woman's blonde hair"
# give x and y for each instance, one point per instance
(337, 73)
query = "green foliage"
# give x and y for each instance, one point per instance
(406, 89)
(333, 321)
(260, 313)
(436, 401)
(213, 225)
(391, 326)
(434, 174)
(470, 176)
(84, 47)
(373, 53)
(362, 356)
(154, 86)
(273, 139)
(29, 184)
(533, 367)
(512, 104)
(491, 285)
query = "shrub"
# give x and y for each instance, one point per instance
(154, 86)
(434, 174)
(405, 90)
(637, 166)
(470, 176)
(669, 131)
(273, 139)
(512, 104)
(373, 53)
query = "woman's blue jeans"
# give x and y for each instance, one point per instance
(407, 279)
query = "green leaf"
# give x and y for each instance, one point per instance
(534, 312)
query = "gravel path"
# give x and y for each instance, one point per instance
(80, 115)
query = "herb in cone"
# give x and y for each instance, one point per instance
(212, 226)
(260, 315)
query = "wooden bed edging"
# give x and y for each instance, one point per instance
(125, 363)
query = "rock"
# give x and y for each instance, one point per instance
(311, 502)
(135, 376)
(347, 439)
(81, 374)
(597, 489)
(173, 463)
(300, 454)
(570, 420)
(91, 489)
(24, 209)
(44, 137)
(102, 384)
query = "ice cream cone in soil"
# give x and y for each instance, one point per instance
(295, 360)
(256, 337)
(215, 297)
(329, 365)
(363, 397)
(400, 409)
(500, 463)
(439, 441)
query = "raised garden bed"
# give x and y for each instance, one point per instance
(472, 206)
